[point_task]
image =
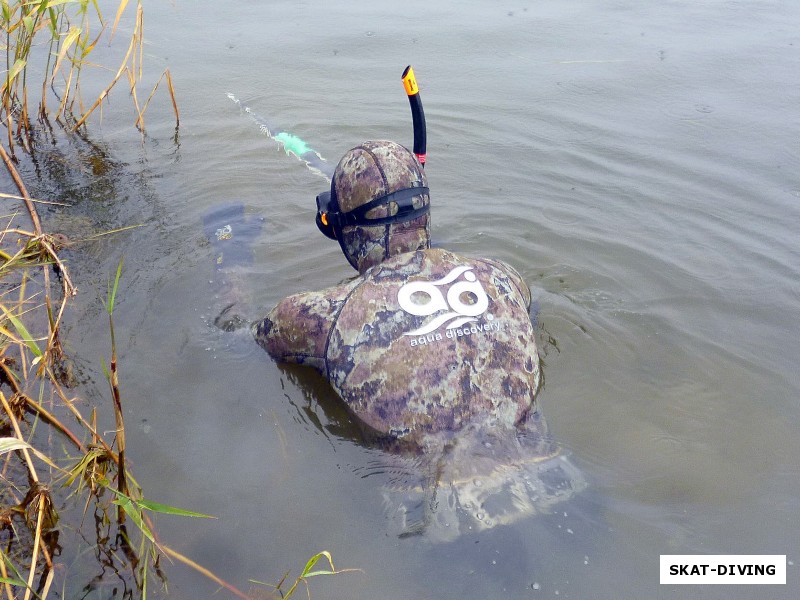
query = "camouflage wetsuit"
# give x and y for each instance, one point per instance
(430, 351)
(424, 342)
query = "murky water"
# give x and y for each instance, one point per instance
(637, 163)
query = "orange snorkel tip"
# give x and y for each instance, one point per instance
(410, 82)
(417, 114)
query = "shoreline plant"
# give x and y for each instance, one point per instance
(49, 43)
(45, 464)
(37, 469)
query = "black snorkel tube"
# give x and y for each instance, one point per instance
(417, 115)
(330, 220)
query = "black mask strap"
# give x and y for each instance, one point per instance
(405, 209)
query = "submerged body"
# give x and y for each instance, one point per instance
(435, 355)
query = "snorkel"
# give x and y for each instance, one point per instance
(330, 219)
(417, 115)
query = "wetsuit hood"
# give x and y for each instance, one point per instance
(373, 188)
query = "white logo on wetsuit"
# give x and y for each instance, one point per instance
(465, 300)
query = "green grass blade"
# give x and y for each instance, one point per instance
(9, 444)
(307, 572)
(315, 573)
(23, 332)
(170, 510)
(18, 581)
(156, 507)
(112, 295)
(18, 65)
(135, 514)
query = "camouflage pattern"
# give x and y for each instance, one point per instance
(434, 354)
(463, 397)
(406, 386)
(483, 477)
(297, 329)
(367, 172)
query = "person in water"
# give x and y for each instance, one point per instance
(423, 340)
(429, 350)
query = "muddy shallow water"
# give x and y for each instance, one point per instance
(636, 164)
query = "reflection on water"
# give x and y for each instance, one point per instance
(635, 163)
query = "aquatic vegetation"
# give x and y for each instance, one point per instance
(51, 42)
(46, 465)
(39, 455)
(306, 574)
(64, 477)
(69, 502)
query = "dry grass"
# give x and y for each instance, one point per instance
(42, 460)
(52, 452)
(48, 44)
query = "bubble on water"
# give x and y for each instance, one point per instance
(479, 516)
(536, 585)
(586, 560)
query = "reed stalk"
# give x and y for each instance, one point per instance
(49, 45)
(30, 361)
(54, 42)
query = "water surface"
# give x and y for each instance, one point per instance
(636, 163)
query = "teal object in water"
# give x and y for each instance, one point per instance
(292, 144)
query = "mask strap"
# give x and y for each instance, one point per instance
(405, 209)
